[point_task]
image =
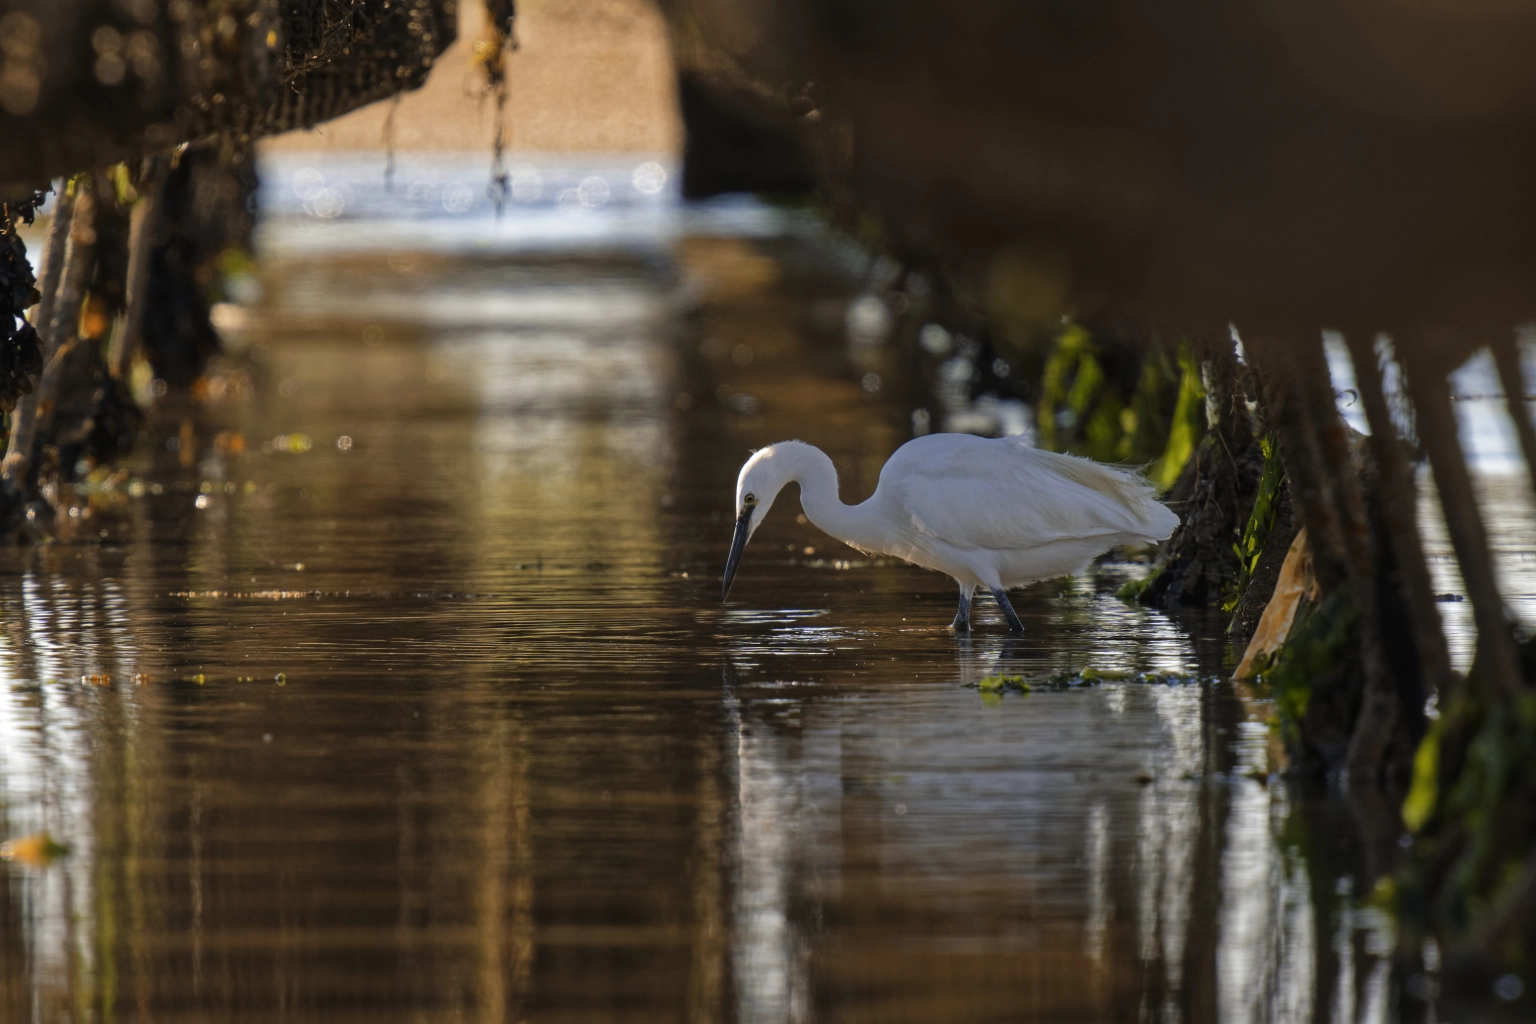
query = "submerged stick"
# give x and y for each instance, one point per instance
(18, 453)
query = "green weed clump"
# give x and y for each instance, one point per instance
(1076, 678)
(1098, 400)
(1130, 590)
(1318, 667)
(1250, 547)
(997, 684)
(1472, 809)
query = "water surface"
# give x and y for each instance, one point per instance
(394, 686)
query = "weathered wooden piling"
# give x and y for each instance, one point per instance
(64, 271)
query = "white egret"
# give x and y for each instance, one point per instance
(989, 512)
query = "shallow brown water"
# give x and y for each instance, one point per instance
(450, 724)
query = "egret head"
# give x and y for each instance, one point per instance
(761, 479)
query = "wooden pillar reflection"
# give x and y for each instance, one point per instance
(490, 885)
(504, 885)
(520, 926)
(706, 986)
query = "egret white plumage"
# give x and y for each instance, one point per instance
(989, 512)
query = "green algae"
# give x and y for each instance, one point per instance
(1249, 548)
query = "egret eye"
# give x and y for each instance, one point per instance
(749, 500)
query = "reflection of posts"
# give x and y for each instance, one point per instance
(769, 977)
(708, 887)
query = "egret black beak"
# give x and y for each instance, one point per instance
(739, 541)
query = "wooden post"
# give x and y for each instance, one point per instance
(1293, 415)
(65, 331)
(142, 231)
(1439, 434)
(1399, 503)
(73, 208)
(1506, 355)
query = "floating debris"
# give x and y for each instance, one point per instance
(35, 851)
(96, 679)
(1070, 680)
(293, 444)
(1091, 674)
(260, 595)
(997, 684)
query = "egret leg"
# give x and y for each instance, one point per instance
(962, 623)
(1015, 624)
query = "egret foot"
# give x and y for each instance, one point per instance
(962, 623)
(1015, 624)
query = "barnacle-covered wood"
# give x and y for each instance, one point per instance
(88, 83)
(20, 357)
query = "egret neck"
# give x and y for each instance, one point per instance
(812, 469)
(767, 473)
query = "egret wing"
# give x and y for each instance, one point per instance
(1001, 494)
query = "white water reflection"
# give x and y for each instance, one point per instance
(767, 957)
(1100, 901)
(1269, 935)
(74, 636)
(1167, 831)
(1095, 856)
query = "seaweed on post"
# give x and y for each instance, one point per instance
(1213, 490)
